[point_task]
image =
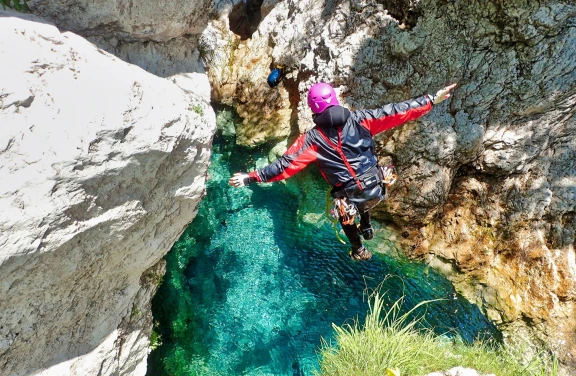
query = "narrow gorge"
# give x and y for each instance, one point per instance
(109, 150)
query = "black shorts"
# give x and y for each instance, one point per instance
(368, 198)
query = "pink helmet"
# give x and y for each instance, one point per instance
(321, 96)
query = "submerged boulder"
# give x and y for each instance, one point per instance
(102, 166)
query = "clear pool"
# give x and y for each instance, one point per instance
(259, 277)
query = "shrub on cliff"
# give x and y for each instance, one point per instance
(18, 5)
(389, 339)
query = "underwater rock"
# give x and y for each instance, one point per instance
(102, 166)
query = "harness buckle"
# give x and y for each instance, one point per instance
(345, 210)
(389, 174)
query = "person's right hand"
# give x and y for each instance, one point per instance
(240, 179)
(443, 94)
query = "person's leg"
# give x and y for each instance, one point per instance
(366, 225)
(352, 233)
(359, 252)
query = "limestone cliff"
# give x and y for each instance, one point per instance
(488, 180)
(102, 166)
(488, 188)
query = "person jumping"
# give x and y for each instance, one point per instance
(342, 144)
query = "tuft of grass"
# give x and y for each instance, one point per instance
(135, 311)
(389, 340)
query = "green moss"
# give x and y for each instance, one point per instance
(197, 108)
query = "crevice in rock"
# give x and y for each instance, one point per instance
(8, 145)
(245, 18)
(406, 12)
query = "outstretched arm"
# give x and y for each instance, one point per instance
(395, 114)
(298, 156)
(443, 94)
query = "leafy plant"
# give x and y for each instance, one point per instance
(20, 6)
(155, 340)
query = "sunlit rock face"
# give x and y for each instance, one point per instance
(102, 166)
(488, 180)
(159, 37)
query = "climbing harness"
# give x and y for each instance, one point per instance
(343, 209)
(332, 215)
(389, 175)
(339, 206)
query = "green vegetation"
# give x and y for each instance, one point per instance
(197, 107)
(18, 5)
(155, 340)
(135, 311)
(390, 340)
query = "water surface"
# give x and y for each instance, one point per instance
(259, 277)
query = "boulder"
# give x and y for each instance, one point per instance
(102, 166)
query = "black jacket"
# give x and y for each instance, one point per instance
(342, 142)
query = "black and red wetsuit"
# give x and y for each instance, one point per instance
(342, 145)
(342, 142)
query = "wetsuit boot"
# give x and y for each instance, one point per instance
(360, 254)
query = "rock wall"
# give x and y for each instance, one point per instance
(102, 166)
(488, 180)
(488, 185)
(126, 20)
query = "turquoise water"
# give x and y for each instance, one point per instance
(259, 277)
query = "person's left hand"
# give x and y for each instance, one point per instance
(240, 179)
(443, 94)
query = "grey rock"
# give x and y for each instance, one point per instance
(102, 167)
(126, 20)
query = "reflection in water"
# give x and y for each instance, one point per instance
(259, 277)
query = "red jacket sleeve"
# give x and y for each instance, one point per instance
(394, 114)
(298, 156)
